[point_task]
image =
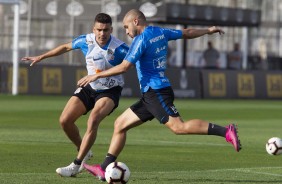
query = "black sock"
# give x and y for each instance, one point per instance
(77, 161)
(109, 159)
(216, 130)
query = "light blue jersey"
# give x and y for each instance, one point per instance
(118, 56)
(149, 54)
(99, 58)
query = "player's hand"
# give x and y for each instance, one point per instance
(215, 29)
(33, 59)
(86, 80)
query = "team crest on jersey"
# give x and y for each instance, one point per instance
(89, 42)
(111, 54)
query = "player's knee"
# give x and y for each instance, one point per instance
(119, 126)
(63, 121)
(66, 121)
(177, 129)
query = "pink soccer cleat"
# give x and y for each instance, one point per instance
(96, 170)
(232, 137)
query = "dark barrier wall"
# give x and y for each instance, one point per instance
(187, 83)
(242, 84)
(131, 86)
(55, 80)
(41, 79)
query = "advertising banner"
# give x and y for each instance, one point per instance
(186, 83)
(242, 84)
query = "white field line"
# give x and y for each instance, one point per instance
(248, 170)
(259, 173)
(244, 170)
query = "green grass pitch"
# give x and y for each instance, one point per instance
(32, 144)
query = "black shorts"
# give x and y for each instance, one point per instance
(89, 96)
(156, 103)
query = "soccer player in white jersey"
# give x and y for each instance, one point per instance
(102, 51)
(148, 53)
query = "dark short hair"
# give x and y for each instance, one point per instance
(103, 18)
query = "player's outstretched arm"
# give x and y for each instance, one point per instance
(54, 52)
(191, 33)
(121, 68)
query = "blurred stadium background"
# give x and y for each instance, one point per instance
(44, 24)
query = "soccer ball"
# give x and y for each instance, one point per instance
(117, 173)
(274, 146)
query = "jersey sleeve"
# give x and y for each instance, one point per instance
(172, 34)
(79, 42)
(119, 55)
(136, 49)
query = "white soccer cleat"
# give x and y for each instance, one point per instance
(68, 171)
(88, 156)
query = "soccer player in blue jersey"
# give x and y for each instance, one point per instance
(102, 51)
(148, 53)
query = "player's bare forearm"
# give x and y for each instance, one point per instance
(119, 69)
(54, 52)
(191, 33)
(57, 51)
(91, 78)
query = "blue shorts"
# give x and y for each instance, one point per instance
(156, 103)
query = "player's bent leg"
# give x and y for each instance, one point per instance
(127, 120)
(72, 111)
(194, 126)
(102, 108)
(197, 126)
(123, 123)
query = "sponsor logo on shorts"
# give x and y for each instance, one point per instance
(173, 108)
(78, 90)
